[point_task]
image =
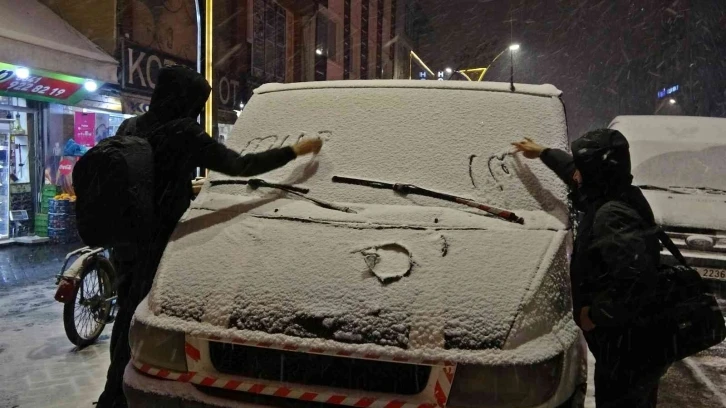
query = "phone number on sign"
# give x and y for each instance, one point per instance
(43, 86)
(709, 273)
(23, 86)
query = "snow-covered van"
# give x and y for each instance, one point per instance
(680, 164)
(358, 295)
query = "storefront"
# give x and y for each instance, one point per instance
(52, 109)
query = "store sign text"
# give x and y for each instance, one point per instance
(37, 85)
(136, 108)
(141, 67)
(668, 91)
(228, 90)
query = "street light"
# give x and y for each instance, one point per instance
(672, 101)
(483, 71)
(319, 51)
(449, 70)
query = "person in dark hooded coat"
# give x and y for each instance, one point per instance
(180, 145)
(616, 253)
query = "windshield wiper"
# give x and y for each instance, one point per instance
(256, 183)
(658, 188)
(412, 189)
(706, 189)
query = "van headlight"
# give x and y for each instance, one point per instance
(158, 348)
(519, 386)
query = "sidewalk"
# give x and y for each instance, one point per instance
(39, 367)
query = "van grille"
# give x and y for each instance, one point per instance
(315, 369)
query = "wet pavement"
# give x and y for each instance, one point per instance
(39, 366)
(22, 265)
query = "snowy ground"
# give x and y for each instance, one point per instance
(40, 368)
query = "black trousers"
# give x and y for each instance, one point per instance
(623, 376)
(135, 269)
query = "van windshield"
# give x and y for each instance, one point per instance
(440, 136)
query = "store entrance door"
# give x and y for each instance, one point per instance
(20, 129)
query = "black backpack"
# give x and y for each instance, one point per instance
(114, 185)
(681, 316)
(685, 318)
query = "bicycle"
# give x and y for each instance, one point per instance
(87, 288)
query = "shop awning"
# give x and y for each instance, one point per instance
(34, 36)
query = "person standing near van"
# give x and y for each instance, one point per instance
(615, 246)
(179, 145)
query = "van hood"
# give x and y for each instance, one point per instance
(440, 286)
(698, 210)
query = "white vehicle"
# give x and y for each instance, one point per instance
(679, 162)
(367, 297)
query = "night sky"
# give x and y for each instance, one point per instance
(610, 57)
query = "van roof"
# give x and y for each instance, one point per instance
(670, 128)
(527, 89)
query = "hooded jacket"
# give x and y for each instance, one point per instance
(616, 251)
(181, 145)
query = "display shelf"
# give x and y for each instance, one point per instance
(5, 130)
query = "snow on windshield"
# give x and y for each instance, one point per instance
(676, 151)
(439, 136)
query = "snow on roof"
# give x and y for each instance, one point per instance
(661, 128)
(525, 89)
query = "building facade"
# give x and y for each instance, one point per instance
(251, 42)
(357, 39)
(50, 111)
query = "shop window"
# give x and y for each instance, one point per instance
(365, 10)
(71, 132)
(410, 26)
(269, 41)
(327, 37)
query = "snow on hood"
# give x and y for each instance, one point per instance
(695, 210)
(458, 289)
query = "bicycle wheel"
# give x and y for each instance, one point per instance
(84, 318)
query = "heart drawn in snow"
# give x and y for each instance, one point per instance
(389, 262)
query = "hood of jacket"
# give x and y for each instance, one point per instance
(180, 93)
(603, 159)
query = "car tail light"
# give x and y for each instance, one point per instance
(158, 347)
(513, 386)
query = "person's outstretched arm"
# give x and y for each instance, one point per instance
(210, 154)
(559, 161)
